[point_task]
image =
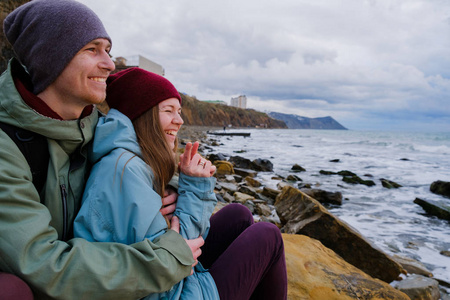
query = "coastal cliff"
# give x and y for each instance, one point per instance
(299, 122)
(201, 113)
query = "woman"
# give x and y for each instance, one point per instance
(134, 155)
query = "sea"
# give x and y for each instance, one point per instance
(389, 218)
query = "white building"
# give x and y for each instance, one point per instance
(139, 61)
(240, 101)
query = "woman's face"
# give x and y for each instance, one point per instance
(170, 119)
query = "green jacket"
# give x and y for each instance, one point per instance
(32, 225)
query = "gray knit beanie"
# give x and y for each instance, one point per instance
(46, 35)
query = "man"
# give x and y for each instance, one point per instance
(51, 88)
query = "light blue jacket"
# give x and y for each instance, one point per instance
(120, 204)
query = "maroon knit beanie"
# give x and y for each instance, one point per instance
(134, 91)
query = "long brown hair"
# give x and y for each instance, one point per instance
(155, 150)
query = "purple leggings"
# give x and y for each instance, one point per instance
(246, 260)
(12, 288)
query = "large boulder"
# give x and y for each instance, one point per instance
(324, 196)
(301, 214)
(441, 188)
(317, 273)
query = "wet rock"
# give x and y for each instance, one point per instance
(445, 253)
(298, 168)
(357, 180)
(223, 168)
(434, 208)
(263, 165)
(304, 186)
(335, 160)
(245, 172)
(419, 287)
(323, 172)
(302, 214)
(252, 182)
(317, 273)
(346, 173)
(218, 156)
(324, 196)
(293, 178)
(441, 188)
(412, 266)
(241, 162)
(271, 193)
(389, 184)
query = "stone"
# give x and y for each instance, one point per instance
(240, 162)
(252, 182)
(301, 214)
(223, 167)
(357, 180)
(263, 165)
(215, 157)
(227, 186)
(298, 168)
(438, 209)
(441, 188)
(293, 178)
(247, 190)
(324, 196)
(245, 172)
(263, 210)
(419, 287)
(412, 266)
(242, 198)
(389, 184)
(315, 272)
(271, 193)
(323, 172)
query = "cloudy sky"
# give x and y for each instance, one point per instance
(370, 64)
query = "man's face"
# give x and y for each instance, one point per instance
(83, 81)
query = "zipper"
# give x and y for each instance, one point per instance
(65, 213)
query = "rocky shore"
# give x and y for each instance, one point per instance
(326, 258)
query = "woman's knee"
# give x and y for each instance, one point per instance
(238, 213)
(269, 233)
(12, 287)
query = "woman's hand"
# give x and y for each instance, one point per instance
(192, 164)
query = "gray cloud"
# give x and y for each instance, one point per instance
(366, 63)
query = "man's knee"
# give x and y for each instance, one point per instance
(12, 287)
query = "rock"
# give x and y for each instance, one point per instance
(298, 168)
(271, 193)
(323, 172)
(240, 162)
(247, 190)
(218, 156)
(412, 266)
(223, 168)
(263, 165)
(293, 178)
(242, 198)
(445, 253)
(335, 160)
(434, 208)
(324, 196)
(441, 188)
(419, 287)
(357, 180)
(227, 197)
(252, 182)
(245, 172)
(389, 184)
(263, 210)
(317, 273)
(346, 173)
(229, 187)
(302, 214)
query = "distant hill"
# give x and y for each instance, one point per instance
(299, 122)
(203, 113)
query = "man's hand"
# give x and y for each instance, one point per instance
(169, 203)
(193, 244)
